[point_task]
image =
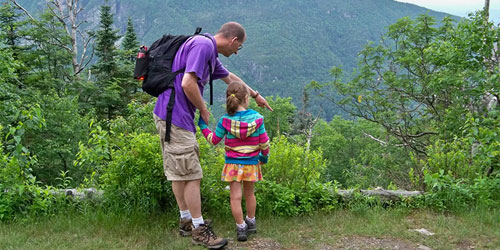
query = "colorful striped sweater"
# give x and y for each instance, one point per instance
(246, 138)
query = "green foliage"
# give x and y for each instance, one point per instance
(355, 159)
(56, 144)
(419, 95)
(20, 193)
(134, 176)
(293, 166)
(130, 42)
(139, 119)
(214, 192)
(421, 80)
(475, 154)
(106, 38)
(447, 192)
(277, 122)
(94, 155)
(279, 199)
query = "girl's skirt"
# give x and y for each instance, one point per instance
(239, 172)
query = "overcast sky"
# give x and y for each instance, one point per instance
(458, 7)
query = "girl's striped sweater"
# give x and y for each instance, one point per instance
(246, 138)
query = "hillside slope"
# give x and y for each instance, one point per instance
(289, 42)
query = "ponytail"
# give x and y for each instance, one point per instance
(236, 94)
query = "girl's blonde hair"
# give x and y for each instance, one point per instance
(236, 94)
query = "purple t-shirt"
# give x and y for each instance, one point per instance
(193, 56)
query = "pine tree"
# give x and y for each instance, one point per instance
(130, 41)
(107, 99)
(127, 61)
(106, 50)
(9, 25)
(12, 31)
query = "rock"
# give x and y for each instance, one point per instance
(423, 231)
(422, 247)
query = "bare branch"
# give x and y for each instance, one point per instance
(421, 134)
(381, 142)
(23, 9)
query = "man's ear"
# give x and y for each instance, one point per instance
(234, 39)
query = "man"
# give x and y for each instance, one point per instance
(181, 155)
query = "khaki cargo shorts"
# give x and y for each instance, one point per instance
(181, 157)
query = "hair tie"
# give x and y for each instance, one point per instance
(233, 95)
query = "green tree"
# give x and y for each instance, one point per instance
(421, 80)
(130, 43)
(9, 24)
(127, 62)
(279, 122)
(106, 38)
(107, 99)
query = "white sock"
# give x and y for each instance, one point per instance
(198, 221)
(241, 226)
(185, 214)
(252, 220)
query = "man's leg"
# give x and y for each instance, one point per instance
(192, 197)
(202, 233)
(178, 189)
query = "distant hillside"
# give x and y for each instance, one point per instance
(289, 42)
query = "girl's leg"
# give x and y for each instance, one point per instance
(235, 196)
(251, 203)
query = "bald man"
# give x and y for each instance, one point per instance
(181, 161)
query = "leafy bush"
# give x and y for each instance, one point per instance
(446, 192)
(139, 119)
(20, 193)
(278, 199)
(214, 192)
(293, 166)
(134, 175)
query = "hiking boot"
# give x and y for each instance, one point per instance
(185, 227)
(252, 227)
(241, 233)
(204, 235)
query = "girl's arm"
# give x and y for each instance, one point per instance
(263, 144)
(212, 138)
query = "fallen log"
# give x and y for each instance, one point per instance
(384, 195)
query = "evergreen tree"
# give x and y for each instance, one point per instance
(130, 41)
(106, 50)
(106, 96)
(9, 25)
(127, 62)
(12, 31)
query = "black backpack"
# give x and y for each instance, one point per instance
(154, 67)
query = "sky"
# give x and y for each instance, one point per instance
(459, 7)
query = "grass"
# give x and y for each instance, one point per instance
(373, 228)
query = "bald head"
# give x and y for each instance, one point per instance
(232, 29)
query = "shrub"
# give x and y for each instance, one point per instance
(19, 190)
(134, 175)
(293, 166)
(446, 192)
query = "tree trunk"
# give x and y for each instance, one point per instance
(487, 10)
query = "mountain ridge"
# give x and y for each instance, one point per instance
(290, 43)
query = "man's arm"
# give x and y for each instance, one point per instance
(259, 99)
(192, 91)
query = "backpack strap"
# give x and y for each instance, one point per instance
(209, 70)
(210, 83)
(197, 31)
(171, 101)
(168, 120)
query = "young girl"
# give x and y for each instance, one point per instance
(247, 147)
